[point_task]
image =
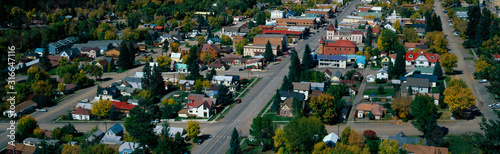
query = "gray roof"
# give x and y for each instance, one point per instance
(338, 74)
(292, 94)
(418, 82)
(301, 86)
(403, 139)
(130, 79)
(382, 70)
(95, 135)
(270, 35)
(191, 82)
(334, 57)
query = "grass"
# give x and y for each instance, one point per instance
(388, 92)
(447, 79)
(247, 148)
(376, 85)
(460, 144)
(435, 90)
(445, 115)
(460, 9)
(277, 118)
(387, 116)
(267, 105)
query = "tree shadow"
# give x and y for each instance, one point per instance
(469, 114)
(105, 79)
(457, 72)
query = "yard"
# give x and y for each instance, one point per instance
(248, 148)
(388, 92)
(460, 144)
(277, 118)
(460, 9)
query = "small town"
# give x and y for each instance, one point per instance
(250, 76)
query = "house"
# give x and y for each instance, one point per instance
(421, 59)
(421, 149)
(128, 147)
(103, 64)
(328, 74)
(81, 114)
(96, 136)
(113, 135)
(418, 85)
(286, 109)
(364, 108)
(228, 81)
(253, 49)
(114, 53)
(277, 14)
(370, 78)
(61, 45)
(423, 70)
(339, 47)
(212, 49)
(352, 90)
(177, 57)
(91, 52)
(70, 53)
(302, 88)
(359, 60)
(403, 139)
(234, 61)
(236, 30)
(280, 40)
(109, 59)
(496, 57)
(186, 85)
(335, 61)
(432, 78)
(109, 93)
(180, 67)
(126, 90)
(331, 139)
(334, 34)
(31, 55)
(21, 109)
(386, 61)
(40, 51)
(123, 107)
(84, 105)
(37, 142)
(382, 74)
(255, 63)
(291, 94)
(336, 77)
(135, 82)
(199, 106)
(115, 130)
(213, 40)
(218, 65)
(20, 149)
(171, 132)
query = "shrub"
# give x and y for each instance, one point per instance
(380, 81)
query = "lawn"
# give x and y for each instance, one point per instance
(460, 9)
(267, 105)
(435, 90)
(388, 92)
(277, 118)
(247, 148)
(460, 144)
(447, 79)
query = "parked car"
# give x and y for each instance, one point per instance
(42, 110)
(495, 106)
(483, 81)
(200, 141)
(238, 101)
(240, 69)
(155, 121)
(278, 59)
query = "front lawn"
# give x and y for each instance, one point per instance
(388, 92)
(460, 144)
(246, 147)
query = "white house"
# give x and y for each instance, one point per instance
(302, 88)
(81, 114)
(228, 81)
(382, 74)
(177, 57)
(418, 85)
(421, 59)
(128, 147)
(135, 82)
(198, 105)
(331, 139)
(334, 61)
(277, 14)
(370, 78)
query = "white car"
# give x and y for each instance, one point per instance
(483, 81)
(42, 110)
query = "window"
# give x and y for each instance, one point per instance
(284, 112)
(410, 56)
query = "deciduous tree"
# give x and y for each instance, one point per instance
(279, 138)
(424, 111)
(387, 41)
(25, 126)
(193, 129)
(402, 105)
(449, 61)
(301, 134)
(101, 108)
(326, 107)
(262, 129)
(459, 98)
(389, 146)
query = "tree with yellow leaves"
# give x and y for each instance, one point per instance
(402, 105)
(101, 108)
(396, 26)
(206, 84)
(200, 39)
(61, 87)
(42, 87)
(163, 61)
(483, 68)
(448, 61)
(35, 74)
(26, 126)
(437, 42)
(71, 149)
(355, 139)
(459, 97)
(169, 101)
(279, 138)
(321, 148)
(326, 107)
(389, 147)
(38, 133)
(145, 95)
(174, 47)
(207, 57)
(192, 129)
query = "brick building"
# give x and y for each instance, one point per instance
(275, 39)
(340, 47)
(253, 50)
(327, 13)
(333, 34)
(295, 22)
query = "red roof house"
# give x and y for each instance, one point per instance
(340, 47)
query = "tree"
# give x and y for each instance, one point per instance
(321, 148)
(132, 51)
(38, 133)
(410, 35)
(424, 111)
(36, 74)
(483, 29)
(95, 71)
(71, 149)
(487, 143)
(295, 67)
(402, 105)
(240, 46)
(437, 42)
(211, 74)
(438, 71)
(396, 26)
(198, 86)
(297, 108)
(301, 134)
(277, 101)
(102, 148)
(165, 143)
(261, 18)
(174, 47)
(138, 124)
(307, 60)
(400, 64)
(262, 129)
(113, 114)
(224, 96)
(148, 39)
(124, 58)
(473, 15)
(435, 135)
(164, 48)
(369, 36)
(200, 39)
(26, 126)
(344, 139)
(286, 85)
(163, 62)
(45, 61)
(192, 129)
(254, 32)
(279, 138)
(101, 108)
(235, 142)
(459, 98)
(381, 90)
(42, 87)
(449, 62)
(268, 53)
(146, 76)
(336, 22)
(326, 107)
(355, 139)
(389, 146)
(225, 40)
(156, 83)
(387, 41)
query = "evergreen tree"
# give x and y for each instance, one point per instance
(156, 84)
(146, 77)
(483, 29)
(438, 70)
(307, 60)
(99, 89)
(113, 114)
(474, 14)
(139, 125)
(495, 28)
(295, 67)
(132, 51)
(369, 36)
(400, 64)
(251, 24)
(437, 23)
(45, 61)
(261, 18)
(262, 129)
(192, 56)
(211, 74)
(287, 84)
(148, 40)
(429, 26)
(268, 53)
(194, 71)
(124, 58)
(410, 91)
(165, 143)
(224, 96)
(336, 23)
(235, 142)
(277, 101)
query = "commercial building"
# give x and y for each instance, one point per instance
(309, 22)
(340, 47)
(335, 61)
(275, 39)
(253, 50)
(327, 13)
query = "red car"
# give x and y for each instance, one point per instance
(278, 59)
(238, 101)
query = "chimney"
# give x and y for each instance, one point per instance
(371, 102)
(115, 131)
(289, 91)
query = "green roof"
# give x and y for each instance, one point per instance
(424, 70)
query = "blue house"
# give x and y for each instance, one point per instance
(59, 46)
(115, 130)
(360, 60)
(403, 139)
(213, 40)
(40, 51)
(180, 67)
(128, 147)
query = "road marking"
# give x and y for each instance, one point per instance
(212, 145)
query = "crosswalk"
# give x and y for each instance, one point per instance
(221, 137)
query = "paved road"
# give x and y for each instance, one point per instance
(241, 115)
(467, 67)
